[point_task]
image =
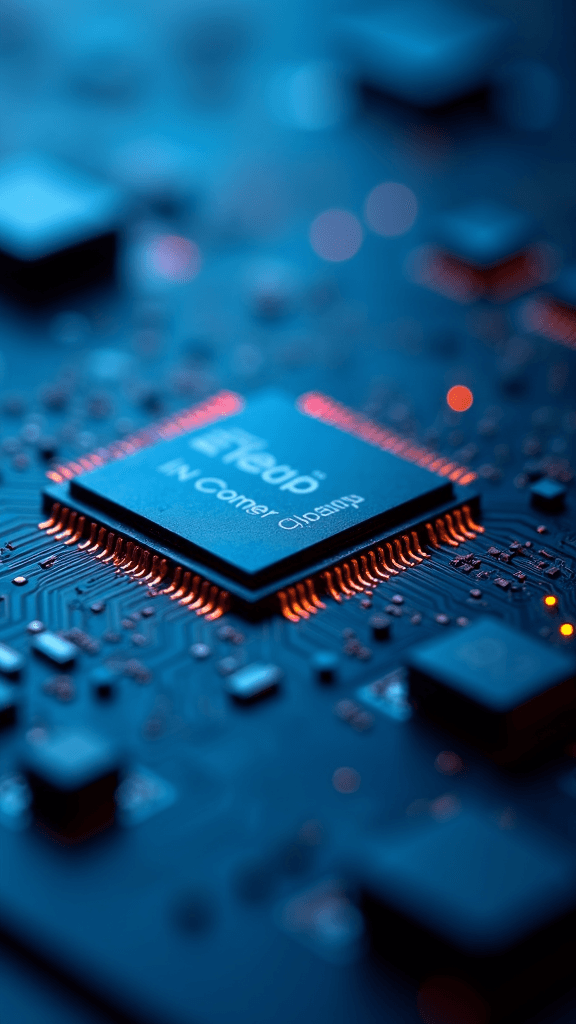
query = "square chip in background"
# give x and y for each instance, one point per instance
(423, 52)
(465, 900)
(58, 227)
(504, 690)
(263, 494)
(473, 884)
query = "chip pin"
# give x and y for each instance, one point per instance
(86, 544)
(452, 530)
(61, 519)
(391, 559)
(76, 536)
(431, 535)
(443, 534)
(199, 602)
(376, 568)
(468, 534)
(53, 518)
(285, 607)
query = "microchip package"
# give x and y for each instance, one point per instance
(259, 498)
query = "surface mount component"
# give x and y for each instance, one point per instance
(55, 648)
(548, 495)
(424, 53)
(503, 690)
(258, 500)
(58, 228)
(488, 248)
(253, 681)
(11, 661)
(73, 775)
(465, 897)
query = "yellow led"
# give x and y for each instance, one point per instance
(550, 601)
(567, 629)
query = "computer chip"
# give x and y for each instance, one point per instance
(470, 882)
(260, 499)
(423, 53)
(461, 895)
(484, 248)
(504, 690)
(58, 228)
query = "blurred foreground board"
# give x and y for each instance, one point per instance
(469, 898)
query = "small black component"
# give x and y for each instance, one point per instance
(464, 896)
(104, 682)
(7, 705)
(503, 690)
(57, 228)
(73, 775)
(548, 495)
(47, 563)
(259, 498)
(325, 666)
(380, 626)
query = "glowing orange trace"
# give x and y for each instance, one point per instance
(459, 398)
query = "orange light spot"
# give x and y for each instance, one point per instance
(459, 398)
(567, 629)
(550, 601)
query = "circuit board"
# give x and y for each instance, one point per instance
(287, 520)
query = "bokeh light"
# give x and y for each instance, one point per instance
(391, 209)
(173, 258)
(550, 601)
(448, 763)
(459, 398)
(336, 235)
(346, 780)
(567, 629)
